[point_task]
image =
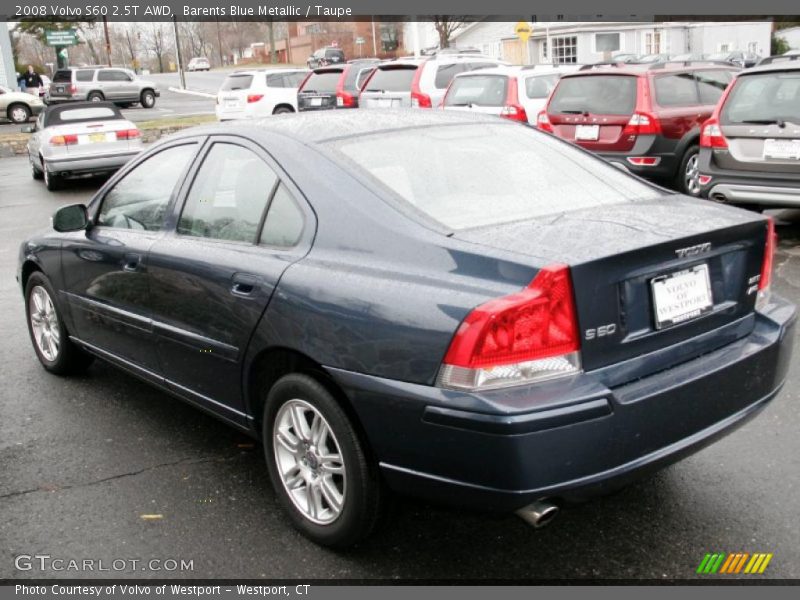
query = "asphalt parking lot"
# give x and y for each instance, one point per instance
(81, 460)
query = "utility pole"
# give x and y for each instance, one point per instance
(219, 48)
(272, 57)
(374, 41)
(108, 40)
(178, 53)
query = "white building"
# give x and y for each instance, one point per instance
(592, 41)
(792, 37)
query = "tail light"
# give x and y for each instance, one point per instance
(64, 140)
(343, 98)
(711, 135)
(513, 109)
(704, 179)
(73, 89)
(418, 99)
(543, 122)
(128, 134)
(526, 337)
(254, 98)
(765, 280)
(642, 124)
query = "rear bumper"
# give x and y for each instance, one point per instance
(748, 187)
(651, 146)
(583, 439)
(85, 165)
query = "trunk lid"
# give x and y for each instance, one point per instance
(95, 138)
(619, 255)
(593, 110)
(761, 122)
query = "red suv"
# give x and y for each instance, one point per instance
(646, 117)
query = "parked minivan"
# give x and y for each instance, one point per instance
(645, 117)
(750, 147)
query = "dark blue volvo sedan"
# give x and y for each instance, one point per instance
(444, 304)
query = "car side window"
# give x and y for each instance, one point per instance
(84, 75)
(284, 224)
(711, 85)
(676, 90)
(276, 80)
(139, 200)
(228, 196)
(105, 76)
(445, 74)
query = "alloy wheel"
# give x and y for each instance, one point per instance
(44, 323)
(310, 461)
(19, 114)
(690, 176)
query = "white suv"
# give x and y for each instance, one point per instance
(435, 74)
(258, 93)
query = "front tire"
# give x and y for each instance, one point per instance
(319, 467)
(48, 333)
(148, 99)
(18, 113)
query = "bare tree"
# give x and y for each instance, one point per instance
(157, 41)
(446, 26)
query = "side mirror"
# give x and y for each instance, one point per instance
(71, 218)
(28, 129)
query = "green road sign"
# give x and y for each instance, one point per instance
(65, 37)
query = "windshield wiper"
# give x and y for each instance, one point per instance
(574, 112)
(779, 122)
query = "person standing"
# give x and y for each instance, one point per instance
(32, 81)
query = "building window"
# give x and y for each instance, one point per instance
(607, 42)
(724, 48)
(752, 47)
(543, 52)
(652, 42)
(389, 41)
(565, 49)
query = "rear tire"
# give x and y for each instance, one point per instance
(36, 172)
(95, 97)
(18, 113)
(320, 470)
(148, 99)
(52, 182)
(48, 333)
(688, 172)
(282, 110)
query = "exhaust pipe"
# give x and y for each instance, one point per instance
(538, 513)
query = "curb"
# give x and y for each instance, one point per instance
(193, 93)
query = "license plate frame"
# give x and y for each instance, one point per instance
(315, 102)
(692, 286)
(96, 138)
(588, 133)
(781, 149)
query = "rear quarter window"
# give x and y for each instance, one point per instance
(679, 89)
(84, 75)
(595, 94)
(539, 87)
(237, 82)
(445, 74)
(62, 77)
(397, 79)
(712, 84)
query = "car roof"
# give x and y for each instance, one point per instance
(267, 70)
(641, 70)
(514, 70)
(317, 127)
(778, 63)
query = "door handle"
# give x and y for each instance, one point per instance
(131, 262)
(243, 284)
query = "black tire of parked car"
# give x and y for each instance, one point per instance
(364, 499)
(148, 99)
(18, 113)
(36, 172)
(69, 359)
(51, 182)
(95, 97)
(682, 183)
(282, 110)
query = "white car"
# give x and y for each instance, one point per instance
(80, 139)
(517, 93)
(198, 63)
(259, 93)
(18, 107)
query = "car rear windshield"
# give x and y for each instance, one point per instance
(356, 74)
(392, 79)
(62, 77)
(595, 94)
(540, 86)
(477, 90)
(473, 175)
(237, 82)
(764, 98)
(65, 116)
(324, 82)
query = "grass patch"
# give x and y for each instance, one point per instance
(177, 122)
